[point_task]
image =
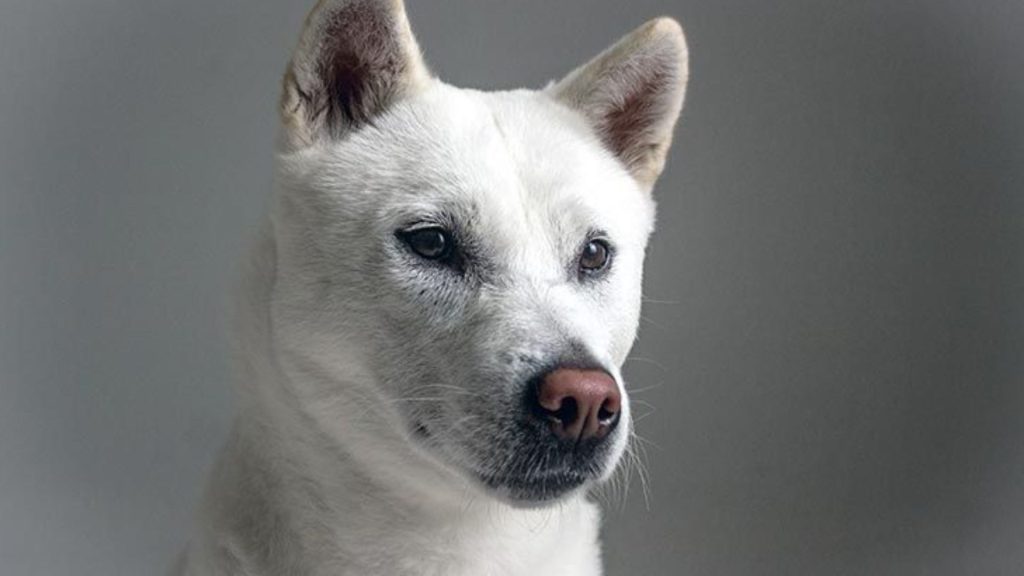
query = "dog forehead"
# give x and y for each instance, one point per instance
(522, 153)
(510, 160)
(565, 172)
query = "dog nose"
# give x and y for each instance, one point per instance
(579, 404)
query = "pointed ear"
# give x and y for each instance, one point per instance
(355, 59)
(632, 93)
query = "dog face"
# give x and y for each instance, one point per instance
(458, 272)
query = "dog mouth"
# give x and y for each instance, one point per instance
(523, 484)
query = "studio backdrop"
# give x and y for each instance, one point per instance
(830, 371)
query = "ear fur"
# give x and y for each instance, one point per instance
(631, 95)
(355, 58)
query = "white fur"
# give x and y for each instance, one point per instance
(342, 342)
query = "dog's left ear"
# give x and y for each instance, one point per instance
(631, 95)
(355, 59)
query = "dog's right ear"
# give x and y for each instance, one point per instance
(355, 59)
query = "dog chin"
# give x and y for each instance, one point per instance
(536, 491)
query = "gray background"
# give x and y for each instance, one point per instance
(832, 346)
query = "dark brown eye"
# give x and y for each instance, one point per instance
(429, 243)
(595, 256)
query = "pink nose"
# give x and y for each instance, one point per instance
(580, 404)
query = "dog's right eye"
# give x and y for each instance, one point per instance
(429, 243)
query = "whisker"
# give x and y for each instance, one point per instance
(650, 361)
(652, 322)
(420, 399)
(645, 388)
(647, 300)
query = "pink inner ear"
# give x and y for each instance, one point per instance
(360, 64)
(627, 128)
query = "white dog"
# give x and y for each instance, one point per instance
(437, 311)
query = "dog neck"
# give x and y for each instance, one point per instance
(274, 510)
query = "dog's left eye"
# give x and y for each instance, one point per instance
(595, 256)
(430, 243)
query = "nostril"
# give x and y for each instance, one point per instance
(567, 413)
(607, 416)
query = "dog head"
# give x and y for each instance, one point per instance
(458, 272)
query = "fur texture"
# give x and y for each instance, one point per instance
(381, 427)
